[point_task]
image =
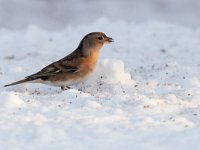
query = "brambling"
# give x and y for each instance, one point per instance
(74, 68)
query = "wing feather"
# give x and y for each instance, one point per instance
(68, 64)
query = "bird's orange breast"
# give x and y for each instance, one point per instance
(91, 61)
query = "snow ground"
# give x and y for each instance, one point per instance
(144, 94)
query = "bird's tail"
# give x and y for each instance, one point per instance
(20, 81)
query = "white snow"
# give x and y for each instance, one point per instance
(12, 100)
(145, 93)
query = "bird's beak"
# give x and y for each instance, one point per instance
(109, 39)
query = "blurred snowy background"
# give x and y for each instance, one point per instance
(57, 14)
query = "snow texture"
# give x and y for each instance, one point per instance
(144, 93)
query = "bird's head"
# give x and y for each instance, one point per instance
(94, 41)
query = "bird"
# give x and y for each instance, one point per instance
(73, 68)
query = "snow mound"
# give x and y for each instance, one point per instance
(12, 100)
(113, 72)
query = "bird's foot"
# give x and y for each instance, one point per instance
(65, 88)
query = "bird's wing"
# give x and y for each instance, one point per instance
(70, 64)
(54, 69)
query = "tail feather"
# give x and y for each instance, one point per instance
(20, 81)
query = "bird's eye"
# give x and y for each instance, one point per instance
(100, 38)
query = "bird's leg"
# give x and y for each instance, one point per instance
(65, 87)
